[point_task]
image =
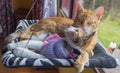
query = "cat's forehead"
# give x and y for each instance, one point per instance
(88, 13)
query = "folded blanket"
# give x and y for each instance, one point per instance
(20, 49)
(52, 47)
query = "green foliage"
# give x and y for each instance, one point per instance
(109, 30)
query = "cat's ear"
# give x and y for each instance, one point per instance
(80, 8)
(99, 12)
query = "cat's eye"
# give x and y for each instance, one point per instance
(93, 25)
(76, 30)
(89, 22)
(76, 40)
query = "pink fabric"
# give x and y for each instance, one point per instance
(52, 37)
(71, 55)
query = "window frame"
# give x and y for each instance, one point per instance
(68, 14)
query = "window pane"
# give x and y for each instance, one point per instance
(66, 7)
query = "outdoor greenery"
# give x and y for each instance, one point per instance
(109, 30)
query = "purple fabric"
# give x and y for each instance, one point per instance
(55, 48)
(6, 17)
(63, 50)
(48, 49)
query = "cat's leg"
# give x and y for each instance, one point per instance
(41, 35)
(81, 61)
(91, 53)
(13, 36)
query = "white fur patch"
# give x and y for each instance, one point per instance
(68, 37)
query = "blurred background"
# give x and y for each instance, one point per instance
(109, 27)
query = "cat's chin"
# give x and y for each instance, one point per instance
(73, 45)
(70, 38)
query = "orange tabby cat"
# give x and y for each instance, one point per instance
(86, 20)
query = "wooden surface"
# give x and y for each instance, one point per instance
(72, 70)
(22, 4)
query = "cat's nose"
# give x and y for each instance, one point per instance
(76, 30)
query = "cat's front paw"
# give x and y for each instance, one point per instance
(79, 66)
(91, 53)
